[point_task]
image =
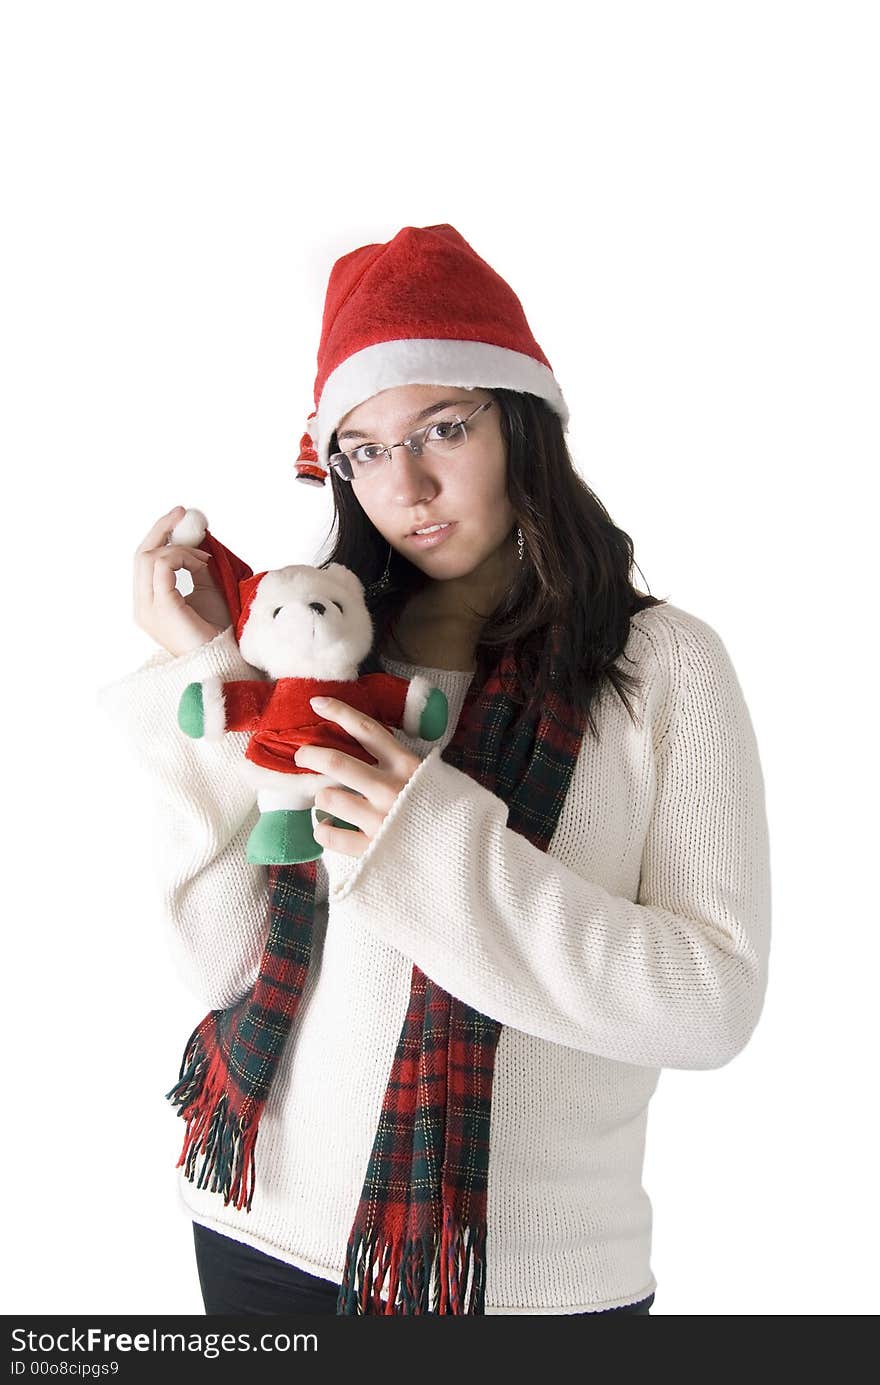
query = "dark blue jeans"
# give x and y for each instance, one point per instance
(237, 1279)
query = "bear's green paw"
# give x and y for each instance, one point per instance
(435, 717)
(191, 711)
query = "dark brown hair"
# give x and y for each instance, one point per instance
(575, 570)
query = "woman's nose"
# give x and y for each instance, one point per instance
(410, 476)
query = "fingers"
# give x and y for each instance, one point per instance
(373, 734)
(161, 529)
(394, 763)
(158, 567)
(159, 608)
(351, 807)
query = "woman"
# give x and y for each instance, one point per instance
(510, 931)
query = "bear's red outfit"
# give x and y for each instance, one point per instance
(281, 719)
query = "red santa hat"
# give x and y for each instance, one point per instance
(237, 581)
(422, 308)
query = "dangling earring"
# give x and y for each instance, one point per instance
(384, 582)
(520, 541)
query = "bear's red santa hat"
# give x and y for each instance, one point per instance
(237, 581)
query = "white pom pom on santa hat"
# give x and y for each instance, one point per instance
(190, 529)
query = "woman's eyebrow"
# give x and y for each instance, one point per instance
(431, 409)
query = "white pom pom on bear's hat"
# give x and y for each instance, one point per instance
(190, 529)
(233, 576)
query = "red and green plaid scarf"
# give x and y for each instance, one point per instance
(427, 1245)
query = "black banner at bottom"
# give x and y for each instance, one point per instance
(127, 1348)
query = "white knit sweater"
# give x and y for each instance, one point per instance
(638, 941)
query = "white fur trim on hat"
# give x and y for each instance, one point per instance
(416, 701)
(214, 708)
(429, 361)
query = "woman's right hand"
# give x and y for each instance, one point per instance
(179, 624)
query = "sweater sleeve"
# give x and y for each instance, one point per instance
(213, 901)
(675, 978)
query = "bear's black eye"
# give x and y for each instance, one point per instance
(336, 603)
(275, 612)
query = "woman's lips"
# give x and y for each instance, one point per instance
(436, 536)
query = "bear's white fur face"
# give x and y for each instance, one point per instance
(308, 622)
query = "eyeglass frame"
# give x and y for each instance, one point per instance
(334, 460)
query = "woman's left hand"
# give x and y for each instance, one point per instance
(380, 784)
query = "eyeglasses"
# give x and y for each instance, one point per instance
(440, 437)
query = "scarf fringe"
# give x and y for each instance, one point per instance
(212, 1127)
(414, 1288)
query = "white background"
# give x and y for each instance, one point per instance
(684, 197)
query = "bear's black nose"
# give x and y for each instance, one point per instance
(317, 606)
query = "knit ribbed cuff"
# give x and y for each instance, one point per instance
(414, 810)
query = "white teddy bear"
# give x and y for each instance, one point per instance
(309, 629)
